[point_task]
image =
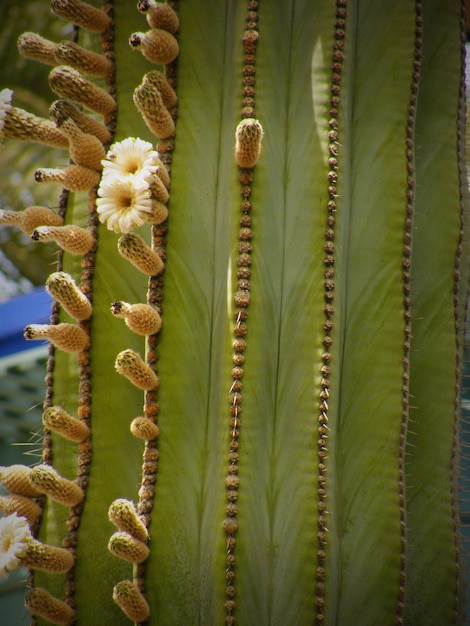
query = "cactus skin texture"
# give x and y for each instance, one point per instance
(301, 460)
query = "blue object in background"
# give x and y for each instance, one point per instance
(22, 370)
(15, 314)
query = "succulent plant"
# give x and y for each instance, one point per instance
(284, 447)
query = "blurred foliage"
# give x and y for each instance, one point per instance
(18, 160)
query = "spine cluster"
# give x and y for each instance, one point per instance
(247, 150)
(460, 324)
(329, 297)
(406, 277)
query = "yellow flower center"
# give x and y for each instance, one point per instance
(132, 165)
(6, 544)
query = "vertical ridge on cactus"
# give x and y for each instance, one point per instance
(441, 281)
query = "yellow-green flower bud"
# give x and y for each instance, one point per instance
(67, 82)
(131, 601)
(148, 100)
(66, 337)
(159, 15)
(123, 515)
(20, 124)
(160, 82)
(59, 421)
(40, 602)
(143, 319)
(47, 480)
(62, 109)
(73, 177)
(82, 14)
(248, 138)
(47, 558)
(130, 364)
(134, 249)
(159, 192)
(127, 547)
(30, 218)
(23, 506)
(86, 150)
(33, 46)
(15, 479)
(157, 215)
(74, 239)
(157, 45)
(144, 428)
(69, 53)
(163, 174)
(63, 288)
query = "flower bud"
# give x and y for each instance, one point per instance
(159, 15)
(86, 150)
(82, 14)
(159, 191)
(15, 479)
(158, 46)
(66, 82)
(130, 364)
(248, 137)
(74, 239)
(123, 515)
(20, 124)
(90, 63)
(38, 601)
(66, 337)
(157, 215)
(62, 109)
(73, 177)
(127, 547)
(163, 174)
(131, 601)
(48, 481)
(144, 428)
(63, 288)
(33, 46)
(22, 505)
(56, 419)
(143, 319)
(134, 249)
(148, 100)
(30, 218)
(47, 558)
(158, 80)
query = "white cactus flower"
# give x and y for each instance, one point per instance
(15, 535)
(132, 157)
(123, 202)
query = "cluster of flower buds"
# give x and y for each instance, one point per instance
(15, 123)
(130, 544)
(70, 128)
(151, 99)
(29, 219)
(158, 45)
(17, 544)
(155, 98)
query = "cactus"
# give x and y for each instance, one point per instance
(293, 421)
